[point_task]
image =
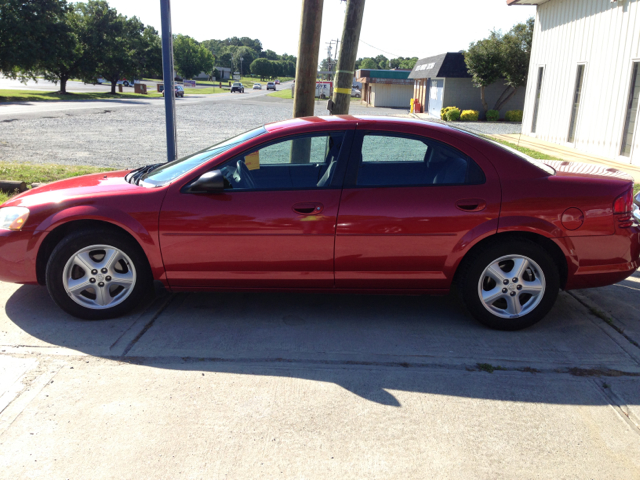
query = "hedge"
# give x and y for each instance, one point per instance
(469, 116)
(513, 116)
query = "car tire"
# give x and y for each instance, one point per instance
(82, 282)
(126, 84)
(512, 305)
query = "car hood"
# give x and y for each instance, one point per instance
(565, 168)
(76, 187)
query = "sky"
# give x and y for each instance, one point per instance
(405, 28)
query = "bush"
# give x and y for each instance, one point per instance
(513, 116)
(469, 115)
(453, 115)
(493, 115)
(443, 112)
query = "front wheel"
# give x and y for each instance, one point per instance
(97, 274)
(509, 286)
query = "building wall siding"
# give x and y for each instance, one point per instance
(391, 95)
(605, 37)
(460, 92)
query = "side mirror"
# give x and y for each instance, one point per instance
(210, 182)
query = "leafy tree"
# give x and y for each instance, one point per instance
(485, 61)
(247, 54)
(501, 57)
(369, 64)
(382, 61)
(225, 60)
(262, 67)
(148, 54)
(190, 57)
(26, 27)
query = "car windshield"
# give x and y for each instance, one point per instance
(524, 156)
(172, 170)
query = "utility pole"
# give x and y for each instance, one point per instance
(308, 52)
(347, 59)
(167, 80)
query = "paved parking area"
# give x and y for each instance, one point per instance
(249, 385)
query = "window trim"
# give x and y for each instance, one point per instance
(573, 95)
(537, 98)
(336, 181)
(631, 83)
(351, 177)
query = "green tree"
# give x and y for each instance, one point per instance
(148, 54)
(262, 67)
(248, 55)
(485, 61)
(503, 57)
(369, 64)
(26, 27)
(190, 57)
(382, 62)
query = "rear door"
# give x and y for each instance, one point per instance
(408, 205)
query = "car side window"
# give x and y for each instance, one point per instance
(296, 163)
(389, 160)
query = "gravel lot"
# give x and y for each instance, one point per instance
(129, 137)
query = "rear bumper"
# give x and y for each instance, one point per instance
(596, 261)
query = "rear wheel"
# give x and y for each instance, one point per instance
(97, 274)
(511, 285)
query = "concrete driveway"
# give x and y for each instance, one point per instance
(248, 385)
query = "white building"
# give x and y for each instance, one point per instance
(584, 76)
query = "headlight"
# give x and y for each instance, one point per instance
(13, 218)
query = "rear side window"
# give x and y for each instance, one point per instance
(386, 160)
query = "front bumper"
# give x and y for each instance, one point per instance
(17, 257)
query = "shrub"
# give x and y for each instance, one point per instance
(453, 115)
(493, 115)
(443, 112)
(469, 115)
(513, 116)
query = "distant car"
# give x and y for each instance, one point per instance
(124, 81)
(277, 82)
(237, 87)
(178, 89)
(257, 86)
(271, 86)
(355, 92)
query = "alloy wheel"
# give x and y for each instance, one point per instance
(511, 286)
(99, 277)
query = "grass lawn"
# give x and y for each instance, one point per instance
(41, 173)
(284, 93)
(39, 95)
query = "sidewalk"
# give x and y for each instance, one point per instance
(568, 154)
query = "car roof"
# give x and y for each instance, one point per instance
(352, 120)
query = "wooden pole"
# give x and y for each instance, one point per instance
(347, 60)
(308, 52)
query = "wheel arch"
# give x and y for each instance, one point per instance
(552, 248)
(54, 237)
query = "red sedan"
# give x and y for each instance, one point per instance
(343, 203)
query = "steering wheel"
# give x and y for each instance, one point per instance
(246, 180)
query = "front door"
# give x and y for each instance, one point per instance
(409, 203)
(274, 226)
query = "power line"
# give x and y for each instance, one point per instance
(395, 55)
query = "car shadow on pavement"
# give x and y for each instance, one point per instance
(368, 344)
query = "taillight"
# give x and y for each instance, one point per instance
(623, 205)
(624, 202)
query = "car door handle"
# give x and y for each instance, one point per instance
(471, 205)
(308, 208)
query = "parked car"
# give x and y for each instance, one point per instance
(123, 82)
(271, 86)
(366, 204)
(355, 92)
(179, 90)
(257, 86)
(237, 87)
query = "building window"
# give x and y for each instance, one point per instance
(576, 104)
(632, 109)
(534, 125)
